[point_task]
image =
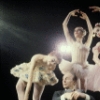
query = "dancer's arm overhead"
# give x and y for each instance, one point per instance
(65, 25)
(95, 8)
(90, 28)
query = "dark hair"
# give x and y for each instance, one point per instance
(75, 77)
(57, 54)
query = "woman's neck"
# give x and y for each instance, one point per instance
(79, 40)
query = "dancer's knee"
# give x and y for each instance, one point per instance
(20, 86)
(36, 97)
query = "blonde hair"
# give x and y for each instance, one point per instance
(55, 53)
(97, 25)
(82, 29)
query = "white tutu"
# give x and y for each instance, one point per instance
(93, 78)
(78, 69)
(65, 66)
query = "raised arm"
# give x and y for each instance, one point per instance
(90, 28)
(95, 8)
(65, 26)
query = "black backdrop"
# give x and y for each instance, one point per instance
(30, 27)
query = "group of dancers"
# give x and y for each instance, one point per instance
(39, 70)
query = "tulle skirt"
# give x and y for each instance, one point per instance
(77, 68)
(93, 78)
(39, 74)
(90, 73)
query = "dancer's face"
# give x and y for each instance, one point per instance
(52, 61)
(78, 33)
(97, 31)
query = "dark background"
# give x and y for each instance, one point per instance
(30, 27)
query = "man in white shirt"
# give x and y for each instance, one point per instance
(70, 91)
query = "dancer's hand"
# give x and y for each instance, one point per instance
(74, 12)
(95, 8)
(83, 15)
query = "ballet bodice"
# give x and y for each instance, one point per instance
(79, 53)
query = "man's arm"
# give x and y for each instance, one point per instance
(92, 98)
(87, 97)
(57, 95)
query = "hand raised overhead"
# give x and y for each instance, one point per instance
(95, 8)
(74, 12)
(83, 15)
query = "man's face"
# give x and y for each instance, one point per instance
(68, 81)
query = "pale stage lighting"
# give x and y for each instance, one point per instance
(68, 49)
(63, 48)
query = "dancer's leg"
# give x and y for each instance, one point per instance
(20, 88)
(37, 92)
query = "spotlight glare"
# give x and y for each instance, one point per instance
(68, 49)
(63, 48)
